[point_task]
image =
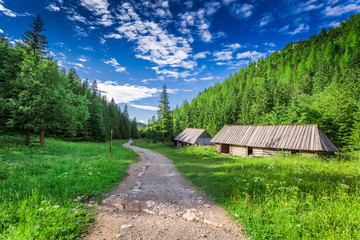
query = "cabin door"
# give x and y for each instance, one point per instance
(225, 148)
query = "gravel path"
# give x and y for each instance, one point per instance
(155, 202)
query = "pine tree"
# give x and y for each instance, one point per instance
(164, 123)
(34, 40)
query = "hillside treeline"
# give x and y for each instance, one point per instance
(310, 81)
(37, 97)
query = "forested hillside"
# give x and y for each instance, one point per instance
(37, 97)
(310, 81)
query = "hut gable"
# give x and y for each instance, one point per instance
(293, 137)
(194, 136)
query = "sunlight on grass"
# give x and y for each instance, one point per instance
(280, 197)
(40, 189)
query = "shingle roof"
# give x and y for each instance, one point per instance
(294, 137)
(191, 135)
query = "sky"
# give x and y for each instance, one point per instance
(132, 48)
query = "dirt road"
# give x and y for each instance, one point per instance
(155, 202)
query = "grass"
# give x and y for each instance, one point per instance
(282, 197)
(42, 192)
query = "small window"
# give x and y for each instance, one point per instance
(250, 151)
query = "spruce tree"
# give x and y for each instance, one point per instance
(33, 39)
(164, 123)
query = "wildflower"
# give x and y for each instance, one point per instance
(298, 225)
(90, 173)
(40, 209)
(56, 206)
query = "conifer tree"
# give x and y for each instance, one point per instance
(164, 123)
(33, 39)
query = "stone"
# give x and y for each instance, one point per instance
(132, 208)
(125, 226)
(150, 203)
(189, 216)
(119, 206)
(149, 211)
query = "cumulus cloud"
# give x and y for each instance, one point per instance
(144, 107)
(90, 49)
(74, 16)
(153, 43)
(113, 35)
(171, 73)
(116, 65)
(283, 29)
(222, 55)
(1, 31)
(333, 11)
(83, 59)
(253, 55)
(233, 46)
(53, 8)
(99, 8)
(201, 54)
(333, 24)
(126, 93)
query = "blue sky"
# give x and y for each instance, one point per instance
(132, 48)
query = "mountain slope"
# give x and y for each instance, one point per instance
(310, 81)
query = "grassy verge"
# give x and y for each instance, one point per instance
(276, 197)
(41, 191)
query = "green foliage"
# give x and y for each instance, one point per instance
(38, 187)
(37, 97)
(310, 81)
(279, 197)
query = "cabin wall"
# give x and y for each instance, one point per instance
(260, 152)
(218, 147)
(238, 150)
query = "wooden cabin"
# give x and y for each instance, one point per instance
(267, 140)
(193, 136)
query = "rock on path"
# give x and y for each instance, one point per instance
(154, 201)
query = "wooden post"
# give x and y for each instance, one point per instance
(111, 139)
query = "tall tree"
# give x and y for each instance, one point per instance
(33, 39)
(164, 123)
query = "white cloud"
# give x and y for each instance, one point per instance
(7, 12)
(308, 6)
(300, 29)
(52, 7)
(285, 28)
(201, 54)
(153, 43)
(222, 55)
(83, 59)
(115, 64)
(233, 46)
(97, 7)
(253, 55)
(142, 121)
(126, 93)
(190, 80)
(113, 35)
(207, 78)
(90, 49)
(145, 107)
(242, 10)
(334, 24)
(270, 44)
(79, 65)
(1, 31)
(74, 16)
(339, 10)
(80, 32)
(171, 73)
(265, 20)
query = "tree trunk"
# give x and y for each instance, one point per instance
(27, 139)
(42, 136)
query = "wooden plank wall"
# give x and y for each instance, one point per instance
(218, 147)
(259, 152)
(238, 151)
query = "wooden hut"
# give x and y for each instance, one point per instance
(193, 136)
(265, 140)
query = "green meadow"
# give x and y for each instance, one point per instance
(43, 193)
(282, 197)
